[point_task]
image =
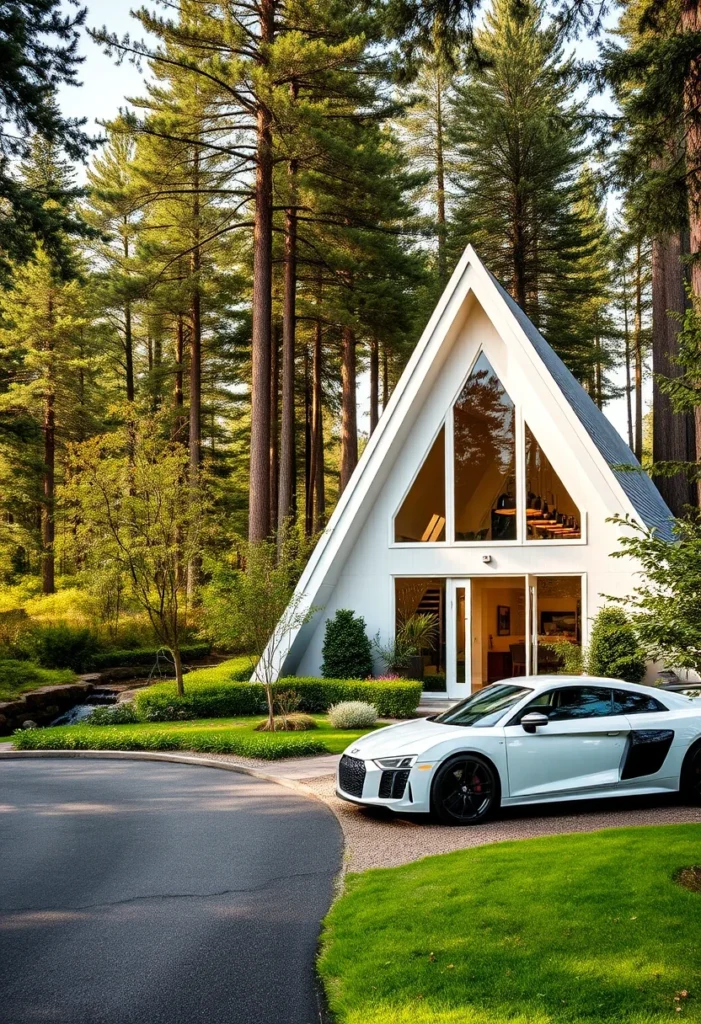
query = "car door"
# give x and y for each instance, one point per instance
(581, 749)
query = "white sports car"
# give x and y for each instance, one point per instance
(529, 740)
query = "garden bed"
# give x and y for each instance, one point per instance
(576, 928)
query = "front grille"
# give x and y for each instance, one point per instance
(351, 775)
(392, 785)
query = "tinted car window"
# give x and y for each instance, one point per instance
(484, 707)
(568, 702)
(627, 702)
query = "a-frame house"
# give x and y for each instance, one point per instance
(482, 497)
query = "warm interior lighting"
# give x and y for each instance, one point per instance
(434, 529)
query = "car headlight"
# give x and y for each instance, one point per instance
(407, 761)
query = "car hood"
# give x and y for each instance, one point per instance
(415, 737)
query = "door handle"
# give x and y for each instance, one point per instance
(614, 733)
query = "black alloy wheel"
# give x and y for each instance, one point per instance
(465, 790)
(691, 776)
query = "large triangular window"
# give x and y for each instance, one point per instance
(421, 519)
(550, 512)
(484, 458)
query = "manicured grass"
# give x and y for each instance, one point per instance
(214, 735)
(18, 677)
(577, 928)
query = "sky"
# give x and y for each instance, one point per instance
(106, 85)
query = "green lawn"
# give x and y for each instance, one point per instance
(577, 928)
(18, 677)
(214, 735)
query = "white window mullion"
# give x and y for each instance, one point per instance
(520, 440)
(449, 479)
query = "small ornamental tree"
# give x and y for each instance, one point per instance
(614, 651)
(347, 651)
(665, 608)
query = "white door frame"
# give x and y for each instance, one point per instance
(454, 689)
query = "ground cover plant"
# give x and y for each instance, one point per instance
(576, 928)
(18, 677)
(216, 735)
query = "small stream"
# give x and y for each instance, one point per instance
(79, 712)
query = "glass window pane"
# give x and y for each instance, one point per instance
(550, 512)
(626, 702)
(581, 702)
(485, 458)
(422, 515)
(460, 634)
(425, 597)
(559, 625)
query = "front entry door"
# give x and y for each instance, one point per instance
(581, 747)
(459, 661)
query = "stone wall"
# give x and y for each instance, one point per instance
(45, 704)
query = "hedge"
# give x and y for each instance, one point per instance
(229, 699)
(145, 656)
(268, 746)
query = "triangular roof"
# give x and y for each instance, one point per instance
(637, 492)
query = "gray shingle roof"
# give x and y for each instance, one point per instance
(641, 491)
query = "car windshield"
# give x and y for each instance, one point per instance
(484, 707)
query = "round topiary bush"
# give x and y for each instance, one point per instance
(613, 647)
(352, 714)
(347, 651)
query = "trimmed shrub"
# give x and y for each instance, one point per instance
(352, 714)
(213, 693)
(613, 647)
(145, 656)
(347, 650)
(268, 746)
(64, 646)
(389, 698)
(123, 713)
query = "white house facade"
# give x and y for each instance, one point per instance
(483, 497)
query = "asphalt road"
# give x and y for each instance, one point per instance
(159, 894)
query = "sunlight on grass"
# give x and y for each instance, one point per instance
(567, 928)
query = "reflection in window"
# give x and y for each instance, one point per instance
(422, 515)
(424, 596)
(559, 624)
(485, 458)
(550, 512)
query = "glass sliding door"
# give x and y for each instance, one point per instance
(459, 638)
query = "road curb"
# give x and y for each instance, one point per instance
(145, 755)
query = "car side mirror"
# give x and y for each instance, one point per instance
(533, 719)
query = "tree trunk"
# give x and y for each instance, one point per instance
(308, 464)
(638, 354)
(259, 473)
(178, 665)
(374, 383)
(518, 273)
(316, 498)
(440, 184)
(195, 439)
(274, 419)
(128, 339)
(385, 378)
(349, 413)
(691, 23)
(48, 521)
(672, 433)
(287, 424)
(627, 358)
(179, 424)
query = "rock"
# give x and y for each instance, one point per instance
(29, 724)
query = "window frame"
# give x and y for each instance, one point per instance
(568, 686)
(447, 423)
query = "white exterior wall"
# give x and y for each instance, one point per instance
(361, 575)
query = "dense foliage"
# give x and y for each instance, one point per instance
(614, 650)
(346, 650)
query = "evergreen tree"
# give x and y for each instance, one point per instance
(519, 136)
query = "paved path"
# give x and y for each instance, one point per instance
(161, 893)
(379, 839)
